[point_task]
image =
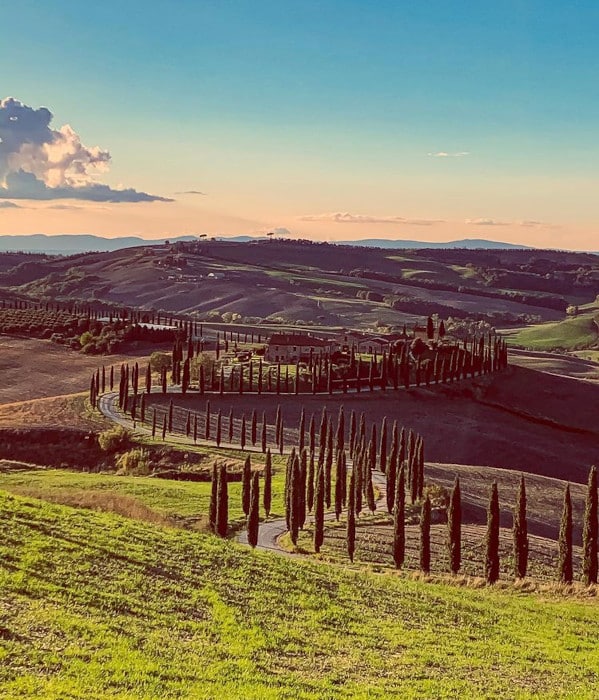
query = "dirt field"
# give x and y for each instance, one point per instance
(522, 419)
(33, 369)
(69, 411)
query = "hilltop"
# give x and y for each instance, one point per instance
(306, 283)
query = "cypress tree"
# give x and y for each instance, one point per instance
(222, 510)
(103, 379)
(219, 427)
(164, 425)
(153, 423)
(111, 377)
(520, 533)
(254, 427)
(492, 538)
(246, 485)
(92, 392)
(370, 492)
(254, 514)
(170, 416)
(589, 532)
(268, 483)
(310, 484)
(391, 475)
(399, 527)
(142, 409)
(339, 479)
(301, 492)
(312, 434)
(243, 431)
(207, 426)
(340, 435)
(214, 498)
(328, 466)
(263, 436)
(195, 427)
(278, 422)
(288, 490)
(294, 498)
(302, 429)
(319, 510)
(454, 528)
(425, 536)
(565, 540)
(358, 468)
(352, 433)
(351, 518)
(383, 447)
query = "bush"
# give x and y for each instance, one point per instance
(114, 439)
(158, 360)
(135, 462)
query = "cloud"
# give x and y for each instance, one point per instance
(9, 205)
(493, 222)
(346, 218)
(39, 162)
(486, 222)
(445, 154)
(191, 192)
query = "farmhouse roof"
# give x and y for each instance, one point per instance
(297, 339)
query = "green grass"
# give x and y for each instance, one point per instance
(569, 334)
(97, 606)
(178, 501)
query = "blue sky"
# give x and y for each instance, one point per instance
(283, 110)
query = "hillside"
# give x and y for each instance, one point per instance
(322, 284)
(94, 605)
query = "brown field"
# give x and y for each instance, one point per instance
(374, 536)
(521, 419)
(69, 411)
(34, 369)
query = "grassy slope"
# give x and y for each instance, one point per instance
(174, 500)
(578, 332)
(98, 606)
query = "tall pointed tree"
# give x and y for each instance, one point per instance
(425, 536)
(399, 531)
(268, 483)
(222, 511)
(454, 528)
(213, 498)
(492, 538)
(565, 540)
(351, 518)
(319, 509)
(254, 514)
(520, 532)
(589, 532)
(246, 482)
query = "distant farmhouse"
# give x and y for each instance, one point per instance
(293, 347)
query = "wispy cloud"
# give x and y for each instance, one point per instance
(486, 222)
(494, 222)
(446, 154)
(40, 162)
(9, 205)
(191, 192)
(347, 218)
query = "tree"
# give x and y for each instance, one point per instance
(383, 447)
(302, 429)
(222, 509)
(391, 474)
(328, 466)
(254, 514)
(267, 483)
(214, 498)
(243, 431)
(246, 485)
(520, 533)
(425, 536)
(170, 416)
(492, 538)
(589, 532)
(148, 378)
(219, 421)
(399, 532)
(294, 497)
(565, 540)
(430, 328)
(319, 509)
(454, 528)
(310, 484)
(339, 483)
(254, 427)
(351, 518)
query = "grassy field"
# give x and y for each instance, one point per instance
(571, 334)
(181, 503)
(97, 606)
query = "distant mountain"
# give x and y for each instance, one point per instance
(85, 243)
(76, 243)
(468, 243)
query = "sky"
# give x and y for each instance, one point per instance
(332, 120)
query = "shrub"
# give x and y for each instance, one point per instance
(134, 462)
(114, 439)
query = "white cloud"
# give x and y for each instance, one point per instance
(347, 218)
(446, 154)
(486, 222)
(39, 162)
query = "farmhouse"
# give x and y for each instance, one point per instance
(291, 347)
